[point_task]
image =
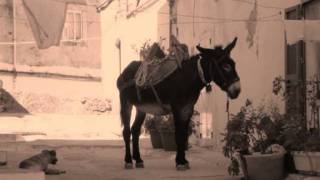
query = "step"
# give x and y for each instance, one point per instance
(19, 174)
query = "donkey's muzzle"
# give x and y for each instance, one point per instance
(234, 90)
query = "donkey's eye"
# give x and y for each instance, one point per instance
(227, 67)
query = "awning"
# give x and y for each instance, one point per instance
(307, 30)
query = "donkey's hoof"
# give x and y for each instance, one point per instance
(139, 165)
(128, 166)
(183, 167)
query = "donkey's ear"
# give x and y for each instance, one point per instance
(203, 50)
(231, 46)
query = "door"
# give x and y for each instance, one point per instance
(295, 78)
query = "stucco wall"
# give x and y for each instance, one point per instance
(57, 79)
(84, 55)
(6, 31)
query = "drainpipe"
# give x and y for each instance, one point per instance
(14, 36)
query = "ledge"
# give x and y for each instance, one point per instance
(53, 72)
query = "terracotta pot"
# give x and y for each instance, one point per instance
(263, 166)
(155, 139)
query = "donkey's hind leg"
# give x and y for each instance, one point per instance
(125, 113)
(135, 130)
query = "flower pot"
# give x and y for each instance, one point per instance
(3, 158)
(168, 140)
(307, 162)
(302, 162)
(315, 160)
(264, 166)
(155, 139)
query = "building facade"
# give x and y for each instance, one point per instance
(60, 78)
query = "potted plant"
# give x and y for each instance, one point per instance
(302, 140)
(167, 131)
(307, 160)
(304, 146)
(151, 126)
(251, 142)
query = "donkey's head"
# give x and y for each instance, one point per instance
(222, 68)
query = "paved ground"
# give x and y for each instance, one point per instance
(103, 160)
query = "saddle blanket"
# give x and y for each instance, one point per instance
(153, 72)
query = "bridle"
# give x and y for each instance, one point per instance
(225, 84)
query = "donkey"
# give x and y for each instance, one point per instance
(179, 93)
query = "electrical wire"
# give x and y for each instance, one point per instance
(224, 22)
(223, 19)
(260, 5)
(62, 40)
(26, 20)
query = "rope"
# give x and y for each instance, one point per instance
(228, 109)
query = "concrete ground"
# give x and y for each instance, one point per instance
(103, 160)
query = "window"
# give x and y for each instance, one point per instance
(74, 28)
(309, 9)
(312, 10)
(294, 13)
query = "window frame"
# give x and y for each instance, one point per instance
(83, 28)
(300, 8)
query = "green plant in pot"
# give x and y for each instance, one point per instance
(167, 131)
(252, 143)
(301, 135)
(152, 125)
(304, 147)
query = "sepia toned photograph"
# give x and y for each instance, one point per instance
(159, 89)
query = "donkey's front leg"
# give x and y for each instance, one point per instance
(182, 120)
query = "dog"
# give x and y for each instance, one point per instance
(40, 162)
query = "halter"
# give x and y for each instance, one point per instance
(207, 84)
(201, 75)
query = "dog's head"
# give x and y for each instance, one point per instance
(52, 156)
